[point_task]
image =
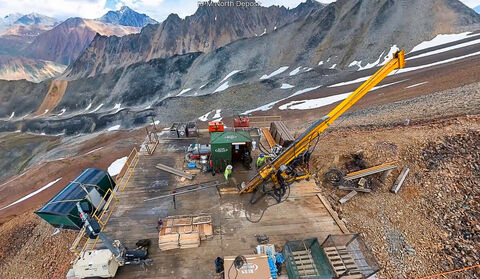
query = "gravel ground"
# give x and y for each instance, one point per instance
(431, 225)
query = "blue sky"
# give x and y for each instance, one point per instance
(157, 9)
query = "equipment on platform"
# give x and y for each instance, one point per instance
(103, 263)
(192, 131)
(230, 147)
(241, 121)
(90, 186)
(183, 130)
(293, 162)
(216, 126)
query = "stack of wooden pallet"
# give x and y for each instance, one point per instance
(184, 231)
(342, 262)
(281, 134)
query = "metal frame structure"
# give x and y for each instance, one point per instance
(303, 143)
(82, 242)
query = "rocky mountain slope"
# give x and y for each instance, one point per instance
(66, 41)
(247, 72)
(14, 68)
(208, 29)
(127, 17)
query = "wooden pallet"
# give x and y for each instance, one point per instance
(305, 265)
(341, 261)
(189, 230)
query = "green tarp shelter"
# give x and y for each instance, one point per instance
(223, 145)
(90, 186)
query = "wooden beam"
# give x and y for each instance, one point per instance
(347, 197)
(400, 180)
(334, 214)
(268, 137)
(370, 171)
(363, 190)
(174, 171)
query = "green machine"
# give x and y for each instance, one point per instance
(90, 186)
(230, 147)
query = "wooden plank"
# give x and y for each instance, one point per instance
(334, 214)
(363, 190)
(268, 137)
(400, 180)
(174, 171)
(348, 196)
(370, 171)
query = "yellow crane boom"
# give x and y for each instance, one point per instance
(303, 142)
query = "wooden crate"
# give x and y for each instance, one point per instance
(190, 240)
(168, 241)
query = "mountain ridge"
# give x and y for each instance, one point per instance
(206, 30)
(127, 17)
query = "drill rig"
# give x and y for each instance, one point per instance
(104, 263)
(292, 163)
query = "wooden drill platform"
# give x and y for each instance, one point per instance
(302, 215)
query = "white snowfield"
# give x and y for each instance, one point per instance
(417, 84)
(270, 105)
(184, 91)
(114, 128)
(117, 166)
(229, 75)
(205, 116)
(295, 71)
(325, 101)
(12, 115)
(277, 72)
(88, 107)
(286, 86)
(409, 69)
(216, 117)
(445, 49)
(440, 40)
(221, 87)
(117, 106)
(97, 108)
(62, 112)
(32, 194)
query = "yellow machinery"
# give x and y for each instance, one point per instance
(292, 163)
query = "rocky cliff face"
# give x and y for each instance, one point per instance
(208, 29)
(66, 41)
(127, 17)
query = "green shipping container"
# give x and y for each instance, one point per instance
(221, 145)
(90, 186)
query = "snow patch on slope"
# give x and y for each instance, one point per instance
(286, 86)
(277, 72)
(227, 76)
(221, 87)
(294, 72)
(114, 128)
(184, 91)
(32, 194)
(117, 166)
(440, 40)
(325, 101)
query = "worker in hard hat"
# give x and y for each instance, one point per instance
(228, 172)
(261, 160)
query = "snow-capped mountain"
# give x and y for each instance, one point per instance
(127, 17)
